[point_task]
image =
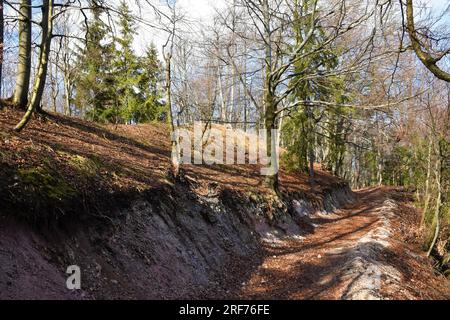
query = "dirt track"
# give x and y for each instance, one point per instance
(359, 253)
(369, 249)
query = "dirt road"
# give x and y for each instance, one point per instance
(361, 252)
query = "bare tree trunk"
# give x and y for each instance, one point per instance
(437, 211)
(269, 103)
(271, 145)
(54, 86)
(174, 140)
(223, 111)
(427, 185)
(41, 76)
(67, 95)
(311, 165)
(280, 127)
(270, 124)
(249, 98)
(244, 84)
(20, 97)
(311, 142)
(379, 164)
(429, 61)
(379, 169)
(232, 95)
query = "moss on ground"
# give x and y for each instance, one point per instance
(4, 156)
(86, 166)
(46, 184)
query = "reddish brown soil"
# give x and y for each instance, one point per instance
(312, 268)
(136, 159)
(132, 157)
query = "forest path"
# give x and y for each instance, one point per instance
(356, 253)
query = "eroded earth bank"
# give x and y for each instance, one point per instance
(74, 193)
(174, 243)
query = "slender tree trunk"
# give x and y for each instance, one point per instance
(338, 146)
(427, 184)
(244, 84)
(174, 138)
(272, 177)
(280, 127)
(223, 110)
(379, 167)
(41, 76)
(429, 62)
(67, 78)
(54, 86)
(437, 211)
(379, 156)
(269, 105)
(67, 96)
(311, 159)
(233, 95)
(271, 144)
(245, 112)
(310, 135)
(20, 97)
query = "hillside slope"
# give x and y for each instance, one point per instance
(101, 197)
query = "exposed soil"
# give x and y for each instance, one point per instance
(107, 167)
(360, 252)
(100, 197)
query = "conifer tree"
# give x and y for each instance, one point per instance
(302, 125)
(115, 84)
(150, 73)
(94, 86)
(126, 67)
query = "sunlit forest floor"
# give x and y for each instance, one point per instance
(62, 168)
(365, 251)
(60, 157)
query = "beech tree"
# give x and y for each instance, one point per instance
(41, 75)
(337, 81)
(167, 51)
(274, 22)
(21, 92)
(420, 45)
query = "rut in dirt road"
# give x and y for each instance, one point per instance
(353, 254)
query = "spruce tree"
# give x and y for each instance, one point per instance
(115, 85)
(300, 129)
(150, 72)
(125, 65)
(136, 77)
(94, 86)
